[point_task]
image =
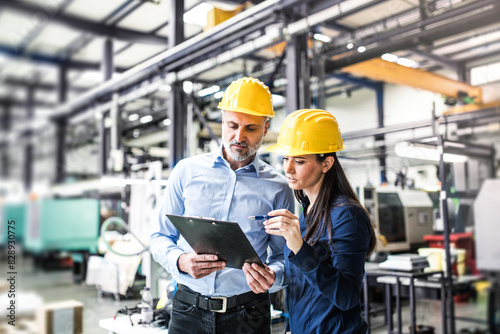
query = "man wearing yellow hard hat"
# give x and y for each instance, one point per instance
(327, 245)
(231, 184)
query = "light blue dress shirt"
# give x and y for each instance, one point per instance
(205, 185)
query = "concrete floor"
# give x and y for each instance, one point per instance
(429, 314)
(36, 287)
(51, 286)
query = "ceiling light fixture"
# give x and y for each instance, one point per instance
(399, 60)
(146, 119)
(389, 57)
(406, 62)
(198, 14)
(425, 152)
(187, 86)
(322, 38)
(218, 95)
(208, 91)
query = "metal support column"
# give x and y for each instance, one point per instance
(176, 23)
(413, 310)
(107, 72)
(379, 90)
(176, 105)
(297, 67)
(115, 135)
(463, 73)
(435, 123)
(5, 126)
(107, 60)
(443, 303)
(297, 88)
(388, 308)
(61, 125)
(103, 146)
(446, 237)
(62, 84)
(397, 288)
(177, 129)
(305, 77)
(28, 150)
(321, 89)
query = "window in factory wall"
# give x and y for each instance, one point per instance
(481, 75)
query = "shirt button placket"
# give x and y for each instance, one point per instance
(231, 184)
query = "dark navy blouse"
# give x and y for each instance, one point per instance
(324, 282)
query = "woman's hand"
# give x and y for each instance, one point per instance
(287, 225)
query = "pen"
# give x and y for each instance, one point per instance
(260, 217)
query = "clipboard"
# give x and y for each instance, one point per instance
(222, 238)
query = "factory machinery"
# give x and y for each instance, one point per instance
(486, 216)
(401, 217)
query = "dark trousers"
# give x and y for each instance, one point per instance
(253, 317)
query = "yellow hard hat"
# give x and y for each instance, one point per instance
(308, 131)
(249, 96)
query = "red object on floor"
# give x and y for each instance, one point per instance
(66, 262)
(462, 241)
(461, 298)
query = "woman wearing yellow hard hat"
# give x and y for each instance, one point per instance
(327, 245)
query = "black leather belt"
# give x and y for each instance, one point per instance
(214, 304)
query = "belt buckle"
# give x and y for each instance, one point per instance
(224, 304)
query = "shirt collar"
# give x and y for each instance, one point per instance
(219, 159)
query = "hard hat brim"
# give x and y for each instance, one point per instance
(244, 111)
(288, 151)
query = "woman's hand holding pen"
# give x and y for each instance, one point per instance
(287, 225)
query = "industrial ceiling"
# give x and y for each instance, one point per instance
(40, 41)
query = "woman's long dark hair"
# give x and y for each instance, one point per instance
(335, 185)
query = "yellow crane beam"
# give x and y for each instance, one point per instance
(382, 70)
(473, 107)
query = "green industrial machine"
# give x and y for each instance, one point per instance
(63, 225)
(16, 212)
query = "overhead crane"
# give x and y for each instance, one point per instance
(390, 72)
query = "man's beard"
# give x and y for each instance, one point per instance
(239, 155)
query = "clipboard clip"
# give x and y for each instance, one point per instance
(201, 217)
